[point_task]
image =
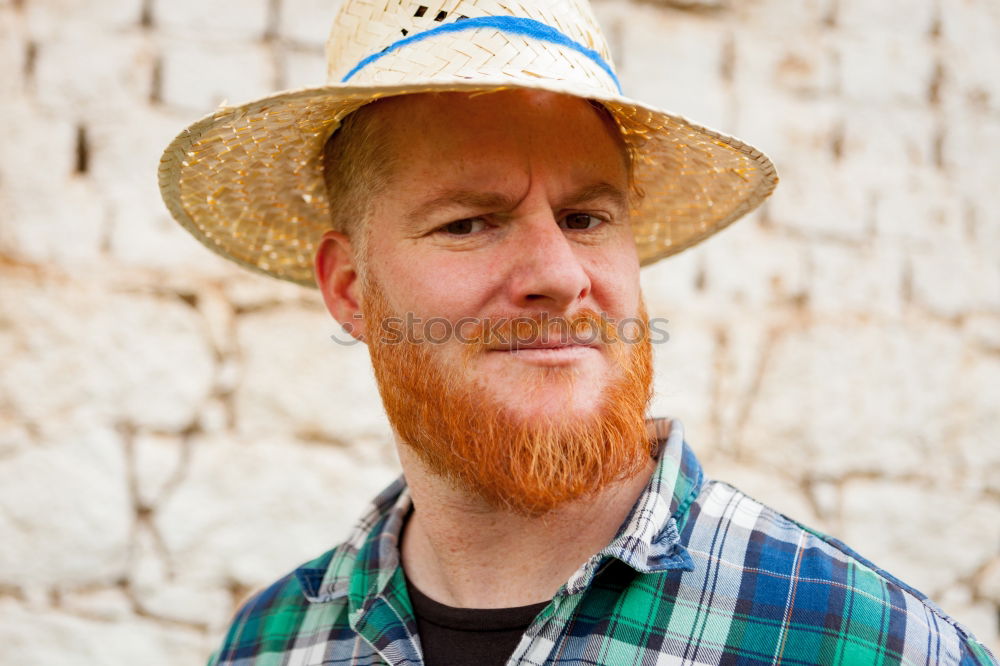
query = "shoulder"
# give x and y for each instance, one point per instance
(308, 606)
(271, 620)
(818, 593)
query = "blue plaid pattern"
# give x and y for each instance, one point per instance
(700, 573)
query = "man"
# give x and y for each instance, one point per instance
(509, 203)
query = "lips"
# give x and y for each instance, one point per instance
(540, 345)
(548, 354)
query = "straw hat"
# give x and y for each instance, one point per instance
(247, 181)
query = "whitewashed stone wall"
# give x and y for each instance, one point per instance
(175, 432)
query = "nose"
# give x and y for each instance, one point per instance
(547, 272)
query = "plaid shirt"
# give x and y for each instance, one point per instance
(699, 574)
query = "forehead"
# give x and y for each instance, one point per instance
(433, 135)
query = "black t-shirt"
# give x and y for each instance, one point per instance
(475, 636)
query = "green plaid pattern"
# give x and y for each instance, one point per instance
(699, 574)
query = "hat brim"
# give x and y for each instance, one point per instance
(247, 181)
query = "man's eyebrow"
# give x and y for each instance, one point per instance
(596, 192)
(468, 199)
(476, 200)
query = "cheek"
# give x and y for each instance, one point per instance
(432, 287)
(615, 277)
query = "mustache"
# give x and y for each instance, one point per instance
(585, 327)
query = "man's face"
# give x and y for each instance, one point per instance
(507, 206)
(503, 205)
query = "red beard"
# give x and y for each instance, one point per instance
(482, 447)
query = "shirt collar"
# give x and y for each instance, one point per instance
(366, 561)
(648, 541)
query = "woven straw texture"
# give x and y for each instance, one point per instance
(247, 181)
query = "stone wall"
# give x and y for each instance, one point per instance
(175, 432)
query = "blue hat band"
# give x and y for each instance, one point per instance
(510, 24)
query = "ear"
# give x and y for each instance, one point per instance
(337, 279)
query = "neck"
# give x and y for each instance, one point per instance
(461, 552)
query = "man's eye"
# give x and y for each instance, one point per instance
(464, 227)
(581, 221)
